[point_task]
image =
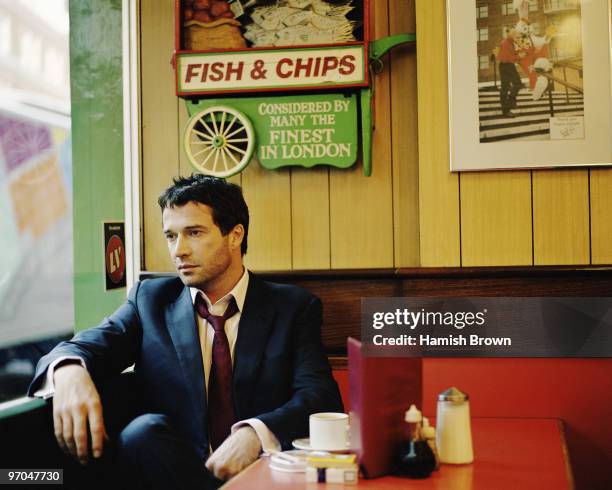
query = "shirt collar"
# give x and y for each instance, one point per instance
(238, 292)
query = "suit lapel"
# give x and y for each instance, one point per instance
(256, 322)
(181, 323)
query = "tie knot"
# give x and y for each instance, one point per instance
(217, 321)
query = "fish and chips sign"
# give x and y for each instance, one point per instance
(304, 130)
(321, 52)
(257, 70)
(307, 130)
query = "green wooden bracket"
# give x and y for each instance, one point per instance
(379, 47)
(366, 131)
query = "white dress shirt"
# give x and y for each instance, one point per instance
(206, 332)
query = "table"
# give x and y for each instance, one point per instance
(509, 453)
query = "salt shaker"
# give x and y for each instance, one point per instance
(454, 432)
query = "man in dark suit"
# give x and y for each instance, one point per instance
(229, 365)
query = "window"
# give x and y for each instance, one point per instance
(483, 62)
(36, 259)
(482, 12)
(507, 8)
(30, 50)
(482, 34)
(5, 35)
(54, 66)
(533, 5)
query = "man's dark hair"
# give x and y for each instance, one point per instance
(224, 198)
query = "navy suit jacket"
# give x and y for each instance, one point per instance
(281, 372)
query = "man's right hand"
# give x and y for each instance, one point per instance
(77, 406)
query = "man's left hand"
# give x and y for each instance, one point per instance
(237, 452)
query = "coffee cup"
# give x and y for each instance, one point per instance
(329, 431)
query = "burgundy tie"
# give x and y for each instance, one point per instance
(221, 415)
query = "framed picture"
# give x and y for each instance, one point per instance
(529, 83)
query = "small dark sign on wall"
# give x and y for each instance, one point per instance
(114, 255)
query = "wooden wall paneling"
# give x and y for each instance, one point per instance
(601, 215)
(361, 208)
(438, 187)
(310, 218)
(159, 123)
(563, 283)
(561, 217)
(341, 292)
(268, 195)
(404, 138)
(342, 307)
(342, 303)
(185, 167)
(236, 179)
(496, 218)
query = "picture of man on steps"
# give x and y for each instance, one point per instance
(511, 82)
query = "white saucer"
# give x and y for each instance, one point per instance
(277, 463)
(304, 444)
(287, 470)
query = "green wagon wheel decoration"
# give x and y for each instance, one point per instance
(219, 141)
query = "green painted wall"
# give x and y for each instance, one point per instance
(97, 149)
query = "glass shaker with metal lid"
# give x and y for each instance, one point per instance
(454, 431)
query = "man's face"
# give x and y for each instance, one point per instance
(201, 254)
